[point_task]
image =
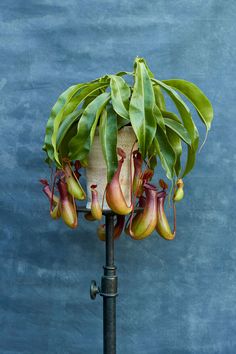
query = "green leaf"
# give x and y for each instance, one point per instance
(78, 93)
(188, 124)
(56, 115)
(141, 108)
(121, 122)
(63, 148)
(179, 129)
(196, 97)
(82, 95)
(150, 73)
(174, 139)
(66, 124)
(152, 159)
(159, 118)
(191, 158)
(184, 113)
(90, 98)
(120, 93)
(165, 152)
(170, 115)
(122, 73)
(108, 139)
(70, 106)
(80, 144)
(176, 145)
(159, 97)
(191, 155)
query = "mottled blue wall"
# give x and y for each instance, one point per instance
(175, 297)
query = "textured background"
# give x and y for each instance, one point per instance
(177, 297)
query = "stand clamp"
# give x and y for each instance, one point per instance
(108, 284)
(94, 290)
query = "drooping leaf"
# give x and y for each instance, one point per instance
(66, 125)
(165, 152)
(191, 158)
(56, 115)
(47, 159)
(159, 118)
(191, 154)
(179, 129)
(108, 139)
(174, 139)
(196, 97)
(152, 152)
(81, 142)
(63, 148)
(184, 113)
(171, 115)
(82, 95)
(141, 108)
(122, 73)
(159, 97)
(188, 124)
(176, 145)
(121, 122)
(152, 161)
(90, 98)
(120, 93)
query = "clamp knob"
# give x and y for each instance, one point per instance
(94, 290)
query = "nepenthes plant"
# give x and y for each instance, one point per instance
(104, 108)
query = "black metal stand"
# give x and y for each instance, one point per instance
(108, 288)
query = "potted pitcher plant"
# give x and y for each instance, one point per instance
(119, 129)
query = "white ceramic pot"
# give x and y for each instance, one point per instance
(96, 172)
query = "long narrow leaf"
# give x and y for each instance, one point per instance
(65, 126)
(188, 124)
(152, 152)
(57, 111)
(196, 97)
(120, 93)
(108, 139)
(174, 139)
(191, 154)
(141, 108)
(171, 115)
(165, 153)
(159, 118)
(63, 148)
(176, 145)
(84, 93)
(150, 73)
(184, 113)
(122, 73)
(121, 122)
(191, 158)
(159, 97)
(179, 129)
(81, 142)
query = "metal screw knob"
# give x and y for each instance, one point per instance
(94, 290)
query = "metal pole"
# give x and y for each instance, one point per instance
(109, 291)
(109, 285)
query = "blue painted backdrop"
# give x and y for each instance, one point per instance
(175, 297)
